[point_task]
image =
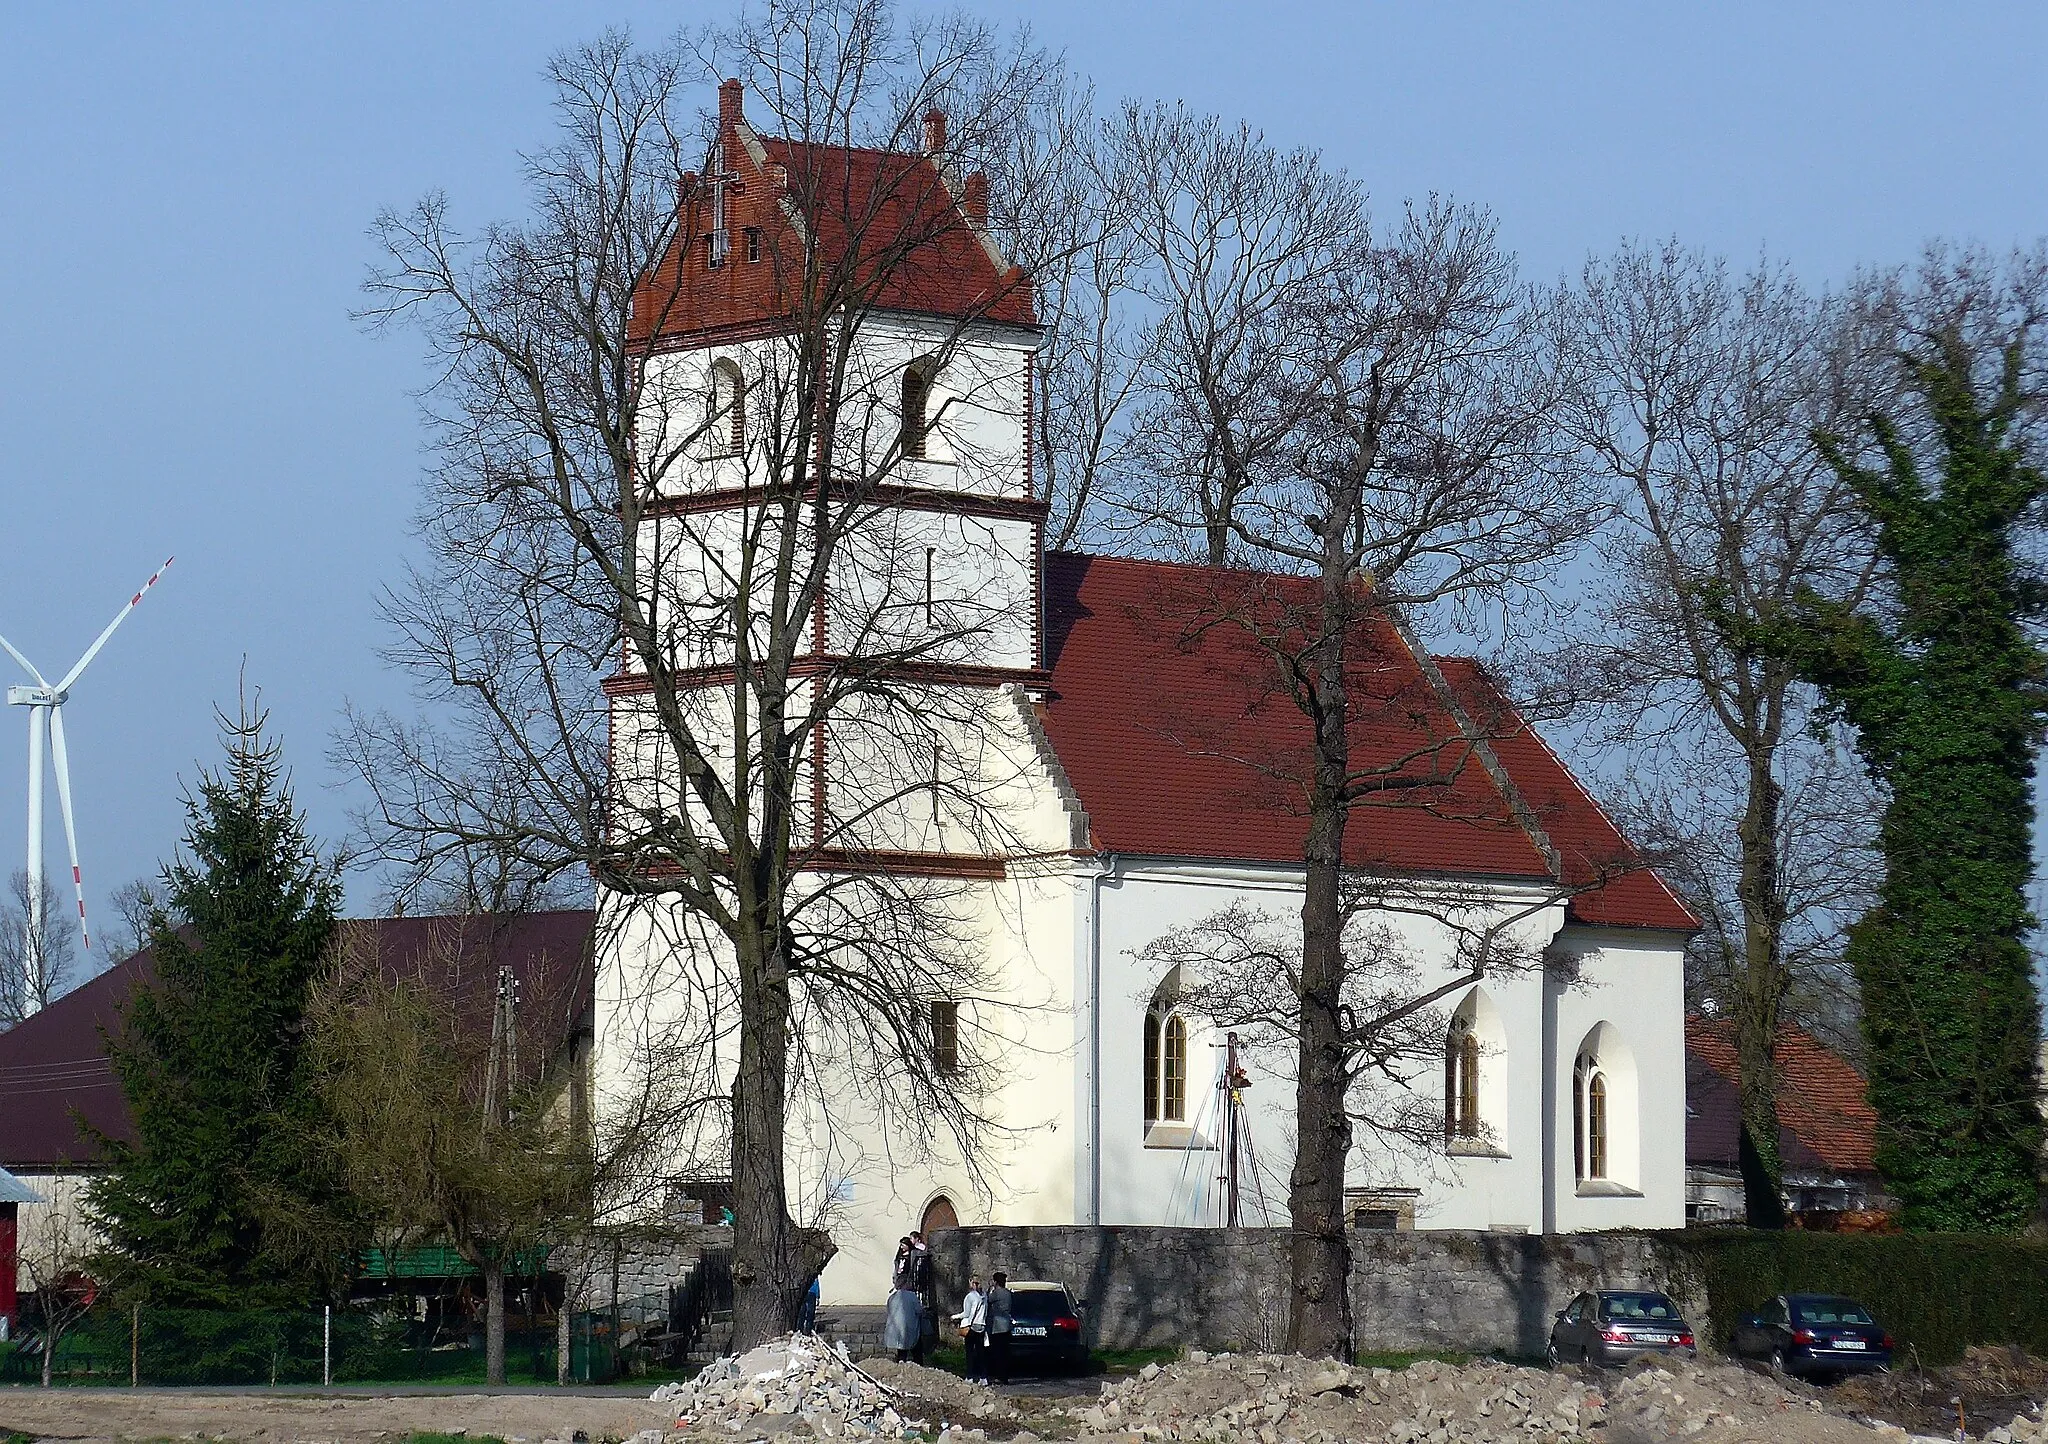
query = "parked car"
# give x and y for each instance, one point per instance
(1046, 1335)
(1813, 1336)
(1614, 1326)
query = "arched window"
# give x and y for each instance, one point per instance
(1589, 1118)
(917, 389)
(1596, 1126)
(1173, 1072)
(1461, 1081)
(1151, 1067)
(726, 420)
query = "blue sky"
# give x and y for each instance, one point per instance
(184, 192)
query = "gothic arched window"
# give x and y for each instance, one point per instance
(1166, 1067)
(917, 390)
(1151, 1067)
(1589, 1118)
(726, 424)
(1173, 1071)
(1461, 1081)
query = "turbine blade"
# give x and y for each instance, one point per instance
(27, 665)
(119, 617)
(57, 755)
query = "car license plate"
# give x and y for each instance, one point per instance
(1848, 1343)
(1659, 1338)
(1032, 1333)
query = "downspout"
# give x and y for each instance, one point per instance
(1106, 866)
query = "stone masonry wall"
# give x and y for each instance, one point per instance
(1227, 1289)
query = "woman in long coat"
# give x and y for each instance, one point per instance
(903, 1329)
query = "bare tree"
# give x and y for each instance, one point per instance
(1699, 393)
(1064, 204)
(134, 902)
(580, 430)
(1236, 233)
(444, 1126)
(58, 1254)
(36, 963)
(1386, 449)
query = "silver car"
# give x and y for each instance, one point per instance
(1615, 1326)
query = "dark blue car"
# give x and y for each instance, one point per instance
(1813, 1336)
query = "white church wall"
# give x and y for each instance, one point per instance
(1496, 1182)
(935, 587)
(1626, 1004)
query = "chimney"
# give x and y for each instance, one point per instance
(934, 131)
(974, 200)
(729, 104)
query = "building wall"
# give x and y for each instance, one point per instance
(1228, 1288)
(1517, 1176)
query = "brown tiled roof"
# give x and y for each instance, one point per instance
(54, 1065)
(1181, 743)
(893, 214)
(1824, 1123)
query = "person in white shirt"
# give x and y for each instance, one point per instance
(973, 1320)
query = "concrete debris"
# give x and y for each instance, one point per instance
(1278, 1400)
(2026, 1429)
(801, 1386)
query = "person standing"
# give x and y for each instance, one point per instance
(927, 1294)
(1000, 1323)
(973, 1321)
(903, 1327)
(807, 1316)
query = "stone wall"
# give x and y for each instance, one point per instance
(645, 1262)
(1227, 1289)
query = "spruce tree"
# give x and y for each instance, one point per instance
(224, 1198)
(1945, 687)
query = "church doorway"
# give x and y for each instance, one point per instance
(938, 1214)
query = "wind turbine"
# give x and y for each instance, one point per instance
(45, 705)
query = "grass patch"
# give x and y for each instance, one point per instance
(1399, 1361)
(1129, 1361)
(421, 1436)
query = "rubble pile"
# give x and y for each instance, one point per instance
(802, 1386)
(2029, 1428)
(1297, 1401)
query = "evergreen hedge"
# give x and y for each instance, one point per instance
(1936, 1294)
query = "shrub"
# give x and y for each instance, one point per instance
(1938, 1293)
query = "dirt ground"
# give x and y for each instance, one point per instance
(265, 1418)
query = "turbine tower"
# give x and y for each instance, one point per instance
(45, 705)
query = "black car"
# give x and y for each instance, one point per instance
(1614, 1326)
(1045, 1334)
(1813, 1336)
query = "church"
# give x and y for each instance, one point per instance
(1092, 776)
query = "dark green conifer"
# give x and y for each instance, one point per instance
(1945, 687)
(224, 1197)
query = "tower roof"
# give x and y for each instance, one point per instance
(890, 230)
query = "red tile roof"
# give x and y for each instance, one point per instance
(1824, 1123)
(54, 1065)
(894, 214)
(1180, 742)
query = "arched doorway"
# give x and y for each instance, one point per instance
(938, 1214)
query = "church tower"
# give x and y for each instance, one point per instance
(839, 366)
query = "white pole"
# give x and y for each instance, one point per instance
(32, 955)
(326, 1344)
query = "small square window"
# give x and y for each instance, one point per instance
(753, 244)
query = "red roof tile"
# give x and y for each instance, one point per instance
(1181, 743)
(54, 1064)
(1824, 1122)
(893, 213)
